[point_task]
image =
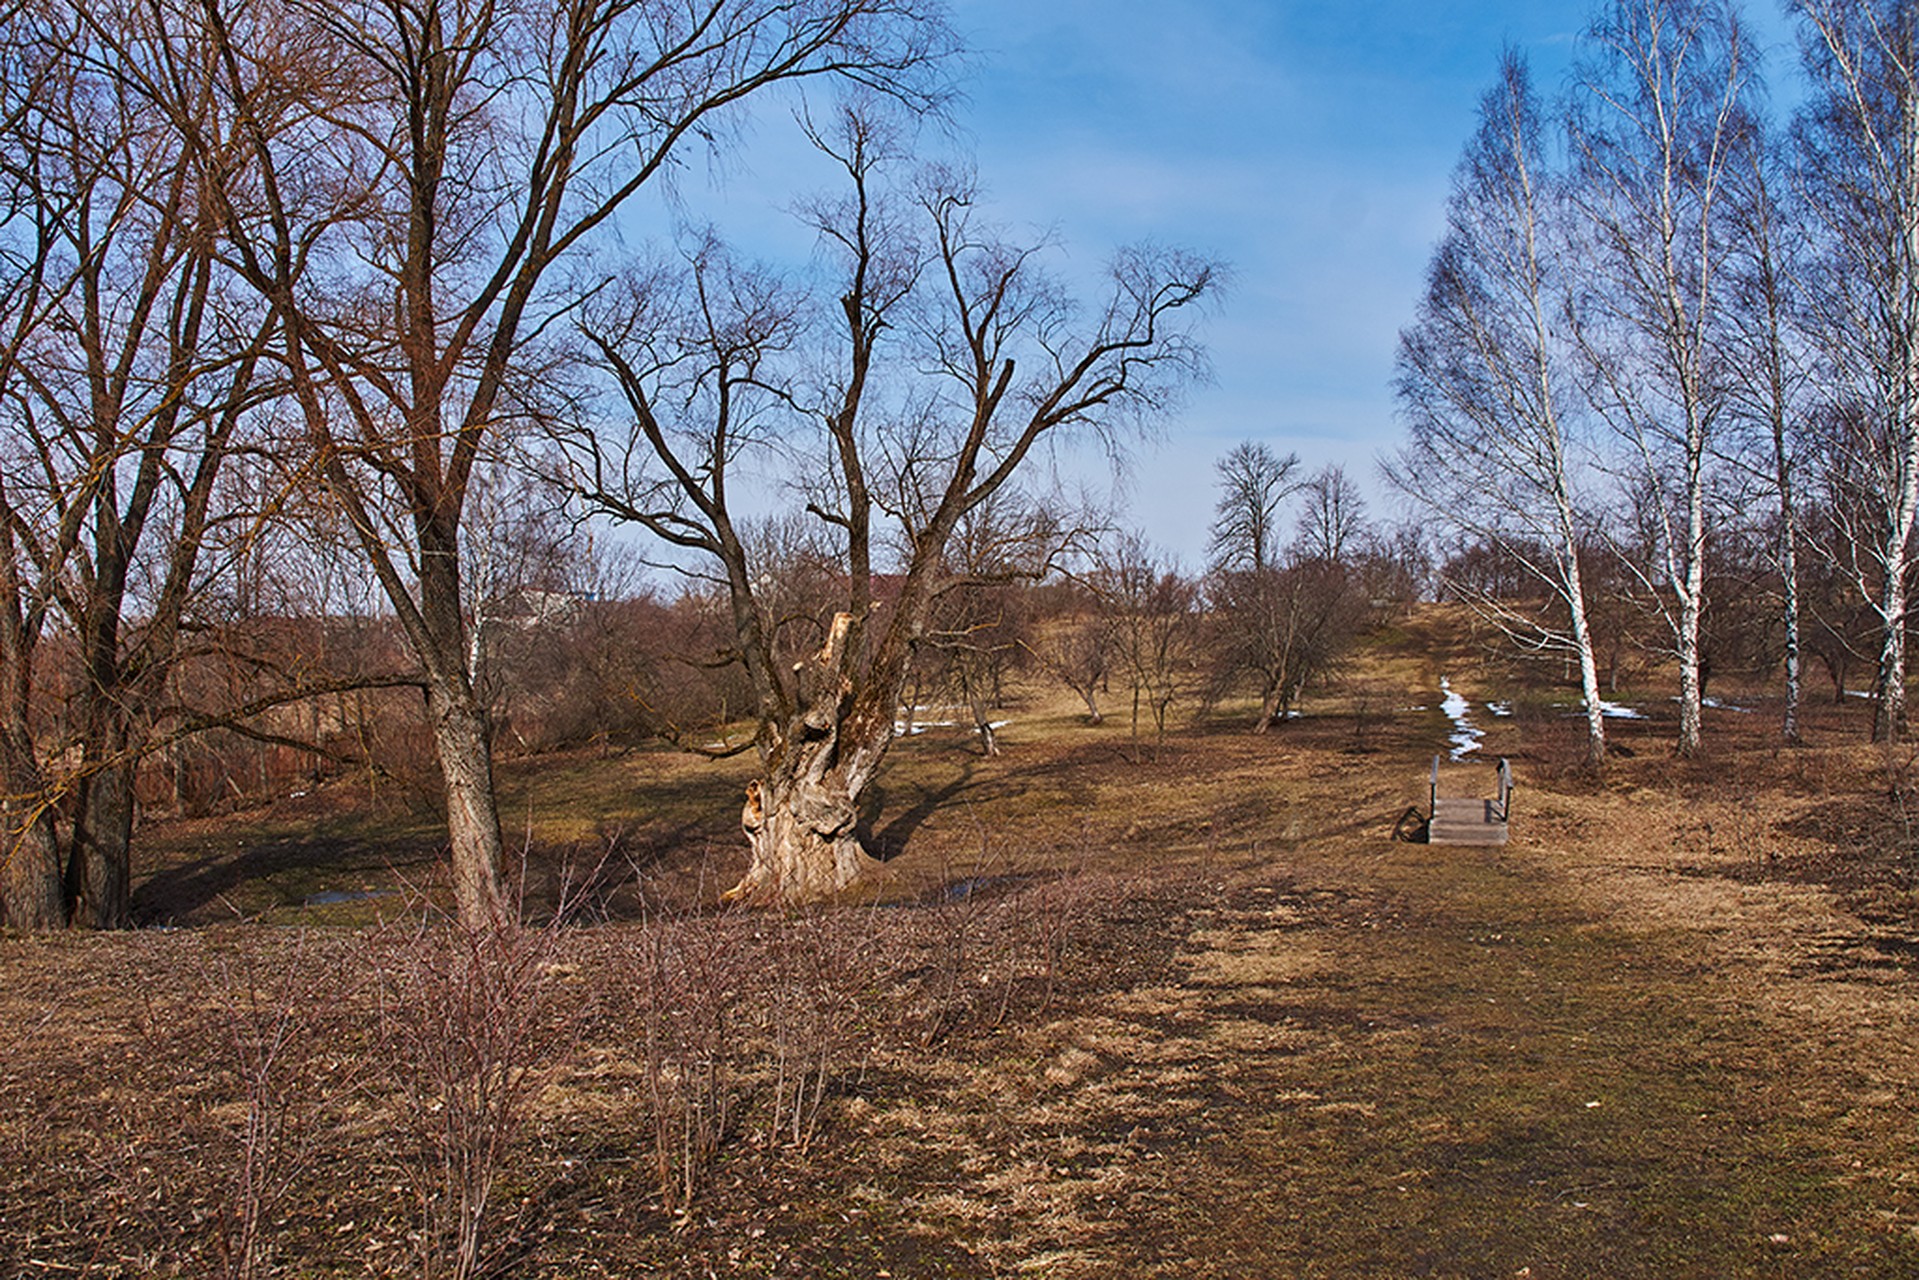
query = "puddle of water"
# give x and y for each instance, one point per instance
(335, 897)
(1465, 738)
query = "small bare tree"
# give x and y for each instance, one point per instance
(1156, 620)
(1253, 483)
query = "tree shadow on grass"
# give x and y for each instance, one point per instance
(887, 842)
(276, 873)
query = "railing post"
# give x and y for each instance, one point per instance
(1432, 800)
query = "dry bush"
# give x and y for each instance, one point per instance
(267, 1012)
(819, 1005)
(469, 1022)
(685, 977)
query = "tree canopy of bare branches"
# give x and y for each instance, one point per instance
(903, 397)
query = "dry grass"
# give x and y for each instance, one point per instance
(1198, 1018)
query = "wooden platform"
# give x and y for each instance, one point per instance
(1466, 822)
(1460, 820)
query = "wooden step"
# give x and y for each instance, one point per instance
(1466, 822)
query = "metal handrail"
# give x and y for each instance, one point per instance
(1432, 800)
(1505, 790)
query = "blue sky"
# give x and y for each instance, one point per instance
(1308, 143)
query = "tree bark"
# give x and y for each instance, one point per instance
(1789, 573)
(1889, 720)
(800, 830)
(31, 895)
(462, 740)
(1588, 661)
(99, 866)
(1271, 699)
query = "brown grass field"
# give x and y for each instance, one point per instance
(1099, 1014)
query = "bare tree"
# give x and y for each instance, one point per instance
(956, 360)
(1073, 640)
(1658, 123)
(421, 172)
(1278, 615)
(1773, 367)
(1156, 618)
(30, 888)
(1333, 517)
(976, 629)
(1483, 374)
(1253, 484)
(134, 371)
(1859, 146)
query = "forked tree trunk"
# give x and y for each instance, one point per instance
(801, 830)
(1271, 700)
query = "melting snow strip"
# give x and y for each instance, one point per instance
(1465, 737)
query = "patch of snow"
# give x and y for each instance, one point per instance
(1501, 709)
(1465, 738)
(904, 730)
(1717, 705)
(1618, 711)
(1859, 693)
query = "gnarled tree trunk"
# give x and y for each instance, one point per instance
(801, 818)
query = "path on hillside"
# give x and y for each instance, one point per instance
(1451, 1066)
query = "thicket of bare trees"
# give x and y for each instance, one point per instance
(335, 236)
(1669, 342)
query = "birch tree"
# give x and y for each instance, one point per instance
(1658, 123)
(1773, 369)
(1858, 141)
(1484, 382)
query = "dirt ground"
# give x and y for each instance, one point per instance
(1107, 1011)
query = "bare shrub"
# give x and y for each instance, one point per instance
(686, 978)
(469, 1021)
(953, 920)
(819, 1006)
(267, 1010)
